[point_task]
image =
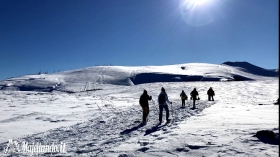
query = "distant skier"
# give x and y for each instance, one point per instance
(210, 94)
(144, 98)
(184, 97)
(194, 95)
(162, 101)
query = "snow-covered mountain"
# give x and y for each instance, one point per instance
(253, 69)
(124, 75)
(95, 111)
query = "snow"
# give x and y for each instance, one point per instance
(106, 122)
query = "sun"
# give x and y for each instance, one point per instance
(192, 4)
(197, 2)
(197, 12)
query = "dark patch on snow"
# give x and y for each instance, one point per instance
(83, 151)
(34, 88)
(268, 136)
(55, 121)
(125, 155)
(160, 77)
(143, 143)
(277, 102)
(153, 129)
(144, 149)
(263, 104)
(127, 131)
(196, 147)
(253, 69)
(182, 149)
(241, 78)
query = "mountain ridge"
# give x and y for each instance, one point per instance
(88, 78)
(248, 67)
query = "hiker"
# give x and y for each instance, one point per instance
(210, 94)
(184, 97)
(162, 101)
(193, 94)
(144, 98)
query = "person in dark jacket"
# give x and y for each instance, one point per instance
(210, 94)
(144, 98)
(162, 102)
(194, 95)
(184, 97)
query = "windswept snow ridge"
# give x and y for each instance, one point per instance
(88, 78)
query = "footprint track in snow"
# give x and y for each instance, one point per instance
(94, 137)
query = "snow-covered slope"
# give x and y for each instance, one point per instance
(250, 68)
(106, 122)
(88, 78)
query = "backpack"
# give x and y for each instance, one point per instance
(184, 96)
(161, 99)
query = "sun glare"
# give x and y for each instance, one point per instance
(197, 2)
(201, 1)
(197, 12)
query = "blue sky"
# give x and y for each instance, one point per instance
(52, 35)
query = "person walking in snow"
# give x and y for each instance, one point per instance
(162, 101)
(184, 97)
(144, 98)
(194, 95)
(210, 94)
